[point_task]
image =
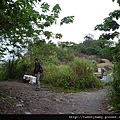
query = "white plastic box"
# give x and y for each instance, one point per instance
(31, 79)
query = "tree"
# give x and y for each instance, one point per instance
(88, 40)
(20, 23)
(111, 26)
(89, 37)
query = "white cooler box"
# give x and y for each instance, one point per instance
(29, 79)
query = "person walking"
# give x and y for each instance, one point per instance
(37, 73)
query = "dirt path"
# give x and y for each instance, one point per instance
(21, 98)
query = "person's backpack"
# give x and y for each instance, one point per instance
(41, 69)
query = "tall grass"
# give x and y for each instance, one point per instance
(7, 70)
(77, 74)
(57, 76)
(14, 69)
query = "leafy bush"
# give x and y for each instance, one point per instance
(14, 69)
(83, 72)
(116, 87)
(57, 76)
(75, 75)
(65, 55)
(7, 70)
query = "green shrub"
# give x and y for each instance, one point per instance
(75, 75)
(57, 76)
(8, 70)
(115, 96)
(83, 74)
(14, 69)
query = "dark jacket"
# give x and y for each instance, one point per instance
(37, 67)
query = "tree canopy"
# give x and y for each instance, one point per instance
(20, 23)
(111, 28)
(110, 24)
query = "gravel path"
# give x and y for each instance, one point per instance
(21, 98)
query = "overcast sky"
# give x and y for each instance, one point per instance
(88, 13)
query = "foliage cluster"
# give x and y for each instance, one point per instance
(111, 26)
(14, 69)
(22, 26)
(101, 47)
(49, 53)
(77, 74)
(21, 23)
(115, 96)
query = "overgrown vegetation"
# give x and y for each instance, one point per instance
(62, 68)
(21, 23)
(111, 27)
(115, 96)
(75, 75)
(14, 69)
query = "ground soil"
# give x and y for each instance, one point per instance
(21, 98)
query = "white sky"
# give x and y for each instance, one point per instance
(88, 13)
